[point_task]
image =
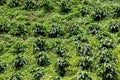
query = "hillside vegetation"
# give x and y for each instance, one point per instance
(59, 39)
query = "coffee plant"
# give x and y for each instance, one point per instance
(107, 43)
(54, 31)
(46, 4)
(14, 3)
(56, 44)
(109, 72)
(83, 76)
(102, 35)
(16, 77)
(117, 12)
(106, 57)
(99, 14)
(19, 62)
(39, 45)
(39, 29)
(61, 66)
(29, 5)
(84, 11)
(94, 29)
(114, 27)
(81, 38)
(3, 66)
(65, 7)
(60, 51)
(4, 27)
(19, 30)
(85, 63)
(42, 59)
(73, 30)
(37, 73)
(84, 50)
(19, 48)
(2, 2)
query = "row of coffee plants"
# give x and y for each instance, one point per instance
(62, 59)
(85, 63)
(65, 7)
(33, 5)
(56, 30)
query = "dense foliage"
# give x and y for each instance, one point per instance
(65, 6)
(4, 27)
(14, 3)
(107, 43)
(19, 30)
(84, 11)
(16, 77)
(61, 66)
(39, 45)
(42, 59)
(117, 12)
(37, 74)
(94, 29)
(19, 62)
(83, 76)
(39, 29)
(109, 72)
(114, 27)
(60, 51)
(2, 67)
(84, 49)
(99, 14)
(85, 63)
(73, 30)
(19, 48)
(81, 38)
(46, 4)
(29, 5)
(106, 57)
(2, 2)
(55, 31)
